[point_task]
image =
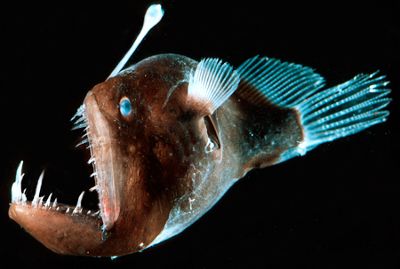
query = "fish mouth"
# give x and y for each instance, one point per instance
(63, 228)
(108, 172)
(68, 229)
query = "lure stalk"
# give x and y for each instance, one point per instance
(153, 16)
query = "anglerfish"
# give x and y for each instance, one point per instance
(169, 135)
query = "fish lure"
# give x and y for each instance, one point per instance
(168, 136)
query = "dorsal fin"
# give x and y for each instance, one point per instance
(283, 84)
(211, 84)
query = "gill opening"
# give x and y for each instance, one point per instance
(213, 142)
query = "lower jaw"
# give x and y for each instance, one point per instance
(64, 233)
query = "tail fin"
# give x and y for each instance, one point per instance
(343, 110)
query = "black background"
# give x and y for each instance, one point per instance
(338, 206)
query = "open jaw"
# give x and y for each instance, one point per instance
(69, 229)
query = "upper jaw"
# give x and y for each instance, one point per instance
(107, 167)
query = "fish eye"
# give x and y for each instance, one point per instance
(125, 107)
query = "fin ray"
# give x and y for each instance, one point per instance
(324, 115)
(212, 83)
(344, 109)
(283, 84)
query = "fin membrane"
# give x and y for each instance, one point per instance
(344, 109)
(283, 84)
(325, 115)
(212, 83)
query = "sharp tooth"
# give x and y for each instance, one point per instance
(93, 188)
(93, 174)
(23, 199)
(96, 213)
(67, 211)
(48, 201)
(55, 203)
(84, 141)
(89, 211)
(79, 126)
(16, 195)
(91, 160)
(78, 207)
(75, 116)
(79, 112)
(40, 203)
(38, 187)
(80, 119)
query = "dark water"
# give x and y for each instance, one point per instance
(339, 205)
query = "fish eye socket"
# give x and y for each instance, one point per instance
(125, 107)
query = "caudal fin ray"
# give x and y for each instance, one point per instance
(344, 109)
(372, 105)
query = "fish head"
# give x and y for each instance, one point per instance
(147, 142)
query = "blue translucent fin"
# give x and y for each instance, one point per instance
(284, 84)
(212, 83)
(324, 115)
(344, 109)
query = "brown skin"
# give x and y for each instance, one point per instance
(152, 160)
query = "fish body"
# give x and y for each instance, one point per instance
(169, 136)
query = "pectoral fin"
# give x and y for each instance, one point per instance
(211, 84)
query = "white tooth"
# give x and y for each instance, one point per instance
(23, 197)
(89, 211)
(93, 188)
(55, 202)
(41, 201)
(79, 112)
(58, 208)
(79, 126)
(16, 195)
(80, 119)
(74, 116)
(93, 174)
(84, 141)
(96, 213)
(91, 160)
(38, 187)
(48, 201)
(78, 207)
(67, 211)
